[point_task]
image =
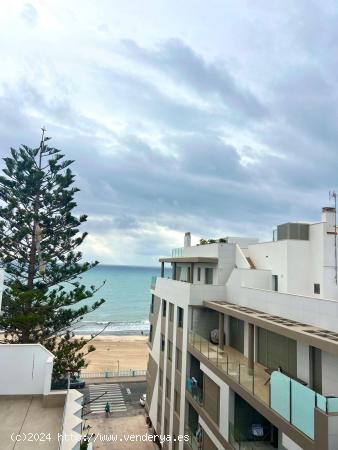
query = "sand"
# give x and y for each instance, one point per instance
(118, 353)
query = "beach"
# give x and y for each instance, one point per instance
(118, 353)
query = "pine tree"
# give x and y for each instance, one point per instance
(39, 240)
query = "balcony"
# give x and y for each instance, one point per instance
(287, 397)
(189, 293)
(235, 365)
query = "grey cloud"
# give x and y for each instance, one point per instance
(185, 66)
(170, 163)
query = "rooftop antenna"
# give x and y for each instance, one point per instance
(333, 195)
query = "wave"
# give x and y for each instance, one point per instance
(89, 327)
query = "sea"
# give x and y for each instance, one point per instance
(126, 291)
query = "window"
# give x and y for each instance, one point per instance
(164, 308)
(170, 350)
(171, 312)
(161, 377)
(167, 389)
(177, 402)
(151, 333)
(275, 283)
(208, 275)
(199, 274)
(316, 288)
(152, 304)
(178, 359)
(162, 343)
(180, 317)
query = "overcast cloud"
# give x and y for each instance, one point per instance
(219, 118)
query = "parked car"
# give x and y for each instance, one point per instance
(143, 399)
(62, 383)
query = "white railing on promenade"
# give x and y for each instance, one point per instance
(115, 373)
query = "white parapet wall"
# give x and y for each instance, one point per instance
(72, 421)
(26, 369)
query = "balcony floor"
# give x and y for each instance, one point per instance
(235, 365)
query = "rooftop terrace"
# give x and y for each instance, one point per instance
(27, 417)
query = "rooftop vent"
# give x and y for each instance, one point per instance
(298, 231)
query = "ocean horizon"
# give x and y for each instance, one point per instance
(127, 294)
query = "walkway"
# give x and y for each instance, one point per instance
(110, 393)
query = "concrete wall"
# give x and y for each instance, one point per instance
(187, 293)
(72, 422)
(25, 369)
(329, 374)
(314, 311)
(289, 444)
(224, 401)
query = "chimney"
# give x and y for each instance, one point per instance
(187, 239)
(328, 216)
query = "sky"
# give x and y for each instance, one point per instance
(217, 117)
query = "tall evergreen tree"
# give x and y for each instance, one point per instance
(39, 240)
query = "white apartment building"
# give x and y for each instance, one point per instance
(244, 342)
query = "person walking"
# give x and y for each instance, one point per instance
(107, 409)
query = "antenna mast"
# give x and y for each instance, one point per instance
(333, 196)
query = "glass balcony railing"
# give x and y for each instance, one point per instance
(292, 400)
(177, 252)
(235, 365)
(296, 403)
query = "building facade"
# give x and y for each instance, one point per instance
(244, 342)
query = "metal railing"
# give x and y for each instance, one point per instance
(254, 379)
(115, 373)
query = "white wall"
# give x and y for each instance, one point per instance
(25, 369)
(72, 422)
(313, 311)
(211, 435)
(271, 256)
(187, 293)
(155, 353)
(289, 444)
(241, 261)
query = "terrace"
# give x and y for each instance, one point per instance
(235, 365)
(286, 396)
